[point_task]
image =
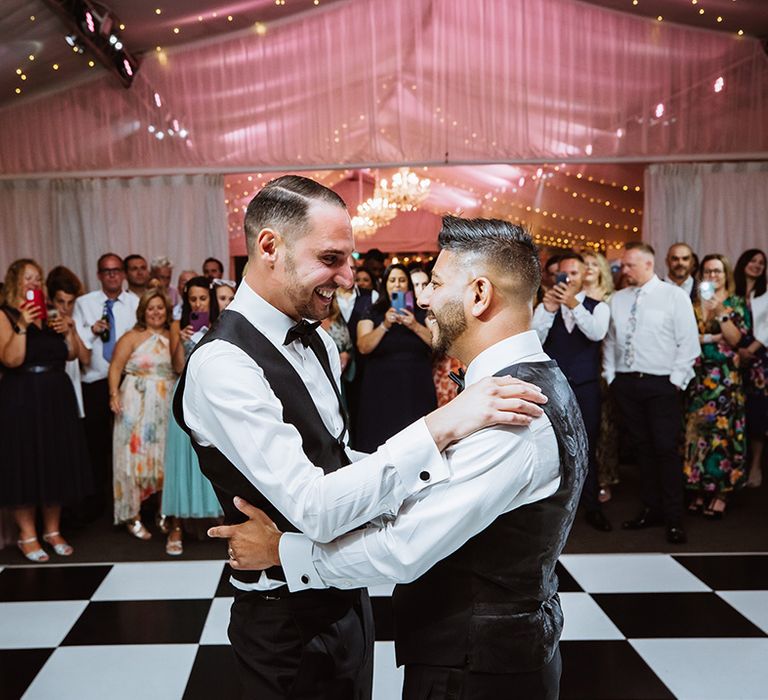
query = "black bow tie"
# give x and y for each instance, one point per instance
(458, 378)
(303, 331)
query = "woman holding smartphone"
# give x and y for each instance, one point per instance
(397, 386)
(187, 493)
(141, 405)
(45, 458)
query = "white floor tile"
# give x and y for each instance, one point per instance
(709, 669)
(387, 678)
(160, 581)
(122, 672)
(585, 619)
(383, 590)
(215, 629)
(37, 625)
(631, 573)
(752, 604)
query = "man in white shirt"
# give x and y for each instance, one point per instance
(572, 327)
(680, 264)
(260, 398)
(648, 357)
(485, 621)
(101, 318)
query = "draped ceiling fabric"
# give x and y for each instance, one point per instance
(411, 81)
(73, 221)
(715, 207)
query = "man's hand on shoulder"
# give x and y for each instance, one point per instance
(253, 544)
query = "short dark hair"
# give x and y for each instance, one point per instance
(572, 256)
(642, 247)
(102, 258)
(62, 279)
(283, 203)
(214, 260)
(552, 259)
(374, 254)
(133, 256)
(505, 246)
(186, 307)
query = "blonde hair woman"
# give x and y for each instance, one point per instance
(598, 280)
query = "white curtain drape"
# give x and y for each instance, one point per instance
(72, 222)
(714, 207)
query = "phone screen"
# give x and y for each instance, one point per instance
(198, 319)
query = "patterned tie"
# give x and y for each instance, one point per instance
(108, 347)
(629, 348)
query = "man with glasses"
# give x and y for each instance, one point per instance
(101, 317)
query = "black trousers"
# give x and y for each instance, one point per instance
(589, 400)
(651, 414)
(447, 683)
(98, 423)
(310, 645)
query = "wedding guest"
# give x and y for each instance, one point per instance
(136, 274)
(187, 494)
(681, 267)
(397, 386)
(420, 279)
(102, 317)
(222, 294)
(184, 277)
(373, 261)
(162, 269)
(212, 269)
(141, 405)
(750, 284)
(45, 459)
(715, 442)
(364, 279)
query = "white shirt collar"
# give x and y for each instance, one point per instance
(272, 322)
(650, 285)
(120, 297)
(509, 351)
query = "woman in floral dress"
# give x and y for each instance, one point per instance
(141, 406)
(715, 437)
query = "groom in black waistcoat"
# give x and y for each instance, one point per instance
(479, 616)
(260, 399)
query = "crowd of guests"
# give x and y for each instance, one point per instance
(676, 366)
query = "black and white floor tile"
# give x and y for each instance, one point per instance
(636, 626)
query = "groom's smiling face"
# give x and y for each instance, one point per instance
(443, 298)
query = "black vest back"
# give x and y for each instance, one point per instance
(321, 448)
(576, 355)
(493, 604)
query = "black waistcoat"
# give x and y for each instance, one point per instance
(493, 604)
(321, 448)
(575, 354)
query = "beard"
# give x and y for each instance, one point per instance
(451, 323)
(302, 299)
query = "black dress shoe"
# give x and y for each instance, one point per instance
(597, 520)
(645, 519)
(676, 534)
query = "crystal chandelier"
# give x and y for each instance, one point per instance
(378, 209)
(363, 226)
(406, 190)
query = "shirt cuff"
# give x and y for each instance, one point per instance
(680, 378)
(296, 559)
(415, 456)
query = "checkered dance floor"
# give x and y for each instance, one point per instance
(636, 626)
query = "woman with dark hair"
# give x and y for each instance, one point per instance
(187, 493)
(715, 443)
(44, 461)
(750, 276)
(63, 287)
(397, 385)
(365, 279)
(141, 405)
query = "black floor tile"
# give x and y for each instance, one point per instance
(214, 675)
(18, 668)
(51, 582)
(383, 618)
(649, 615)
(733, 572)
(225, 589)
(140, 622)
(567, 582)
(607, 670)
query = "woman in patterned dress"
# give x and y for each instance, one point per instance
(715, 436)
(141, 406)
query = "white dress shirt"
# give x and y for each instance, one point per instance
(89, 308)
(666, 338)
(686, 286)
(228, 403)
(346, 302)
(759, 308)
(492, 472)
(593, 325)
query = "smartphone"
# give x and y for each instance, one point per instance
(706, 290)
(198, 319)
(402, 301)
(561, 278)
(53, 314)
(36, 297)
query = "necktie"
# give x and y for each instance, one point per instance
(108, 347)
(302, 331)
(458, 379)
(629, 348)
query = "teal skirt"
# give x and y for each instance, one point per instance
(186, 492)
